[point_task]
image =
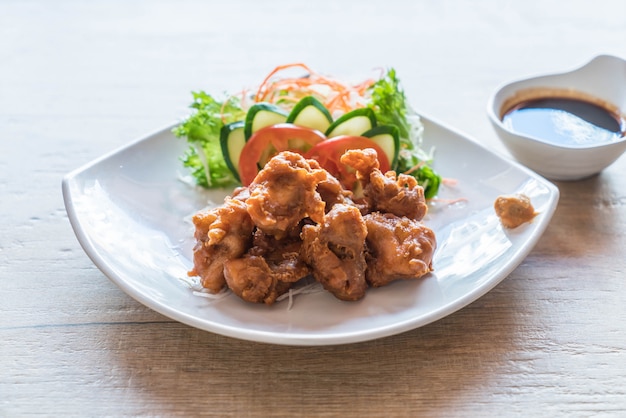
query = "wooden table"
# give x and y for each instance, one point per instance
(79, 79)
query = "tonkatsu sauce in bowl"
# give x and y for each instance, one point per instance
(565, 126)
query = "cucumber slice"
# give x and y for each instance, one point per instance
(387, 138)
(310, 113)
(232, 140)
(261, 115)
(353, 123)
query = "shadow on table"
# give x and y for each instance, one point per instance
(181, 370)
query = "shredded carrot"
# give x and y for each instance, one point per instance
(449, 181)
(362, 87)
(339, 98)
(448, 201)
(228, 99)
(259, 95)
(222, 116)
(415, 167)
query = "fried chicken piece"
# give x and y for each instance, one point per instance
(335, 250)
(268, 270)
(400, 195)
(241, 193)
(254, 280)
(332, 192)
(222, 233)
(250, 278)
(283, 256)
(398, 248)
(364, 161)
(284, 192)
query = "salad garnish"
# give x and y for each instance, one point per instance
(305, 109)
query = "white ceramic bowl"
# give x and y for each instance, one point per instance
(604, 77)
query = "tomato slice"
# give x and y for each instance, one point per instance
(269, 141)
(329, 152)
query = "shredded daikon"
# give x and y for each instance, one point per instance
(308, 288)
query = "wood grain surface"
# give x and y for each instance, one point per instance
(79, 79)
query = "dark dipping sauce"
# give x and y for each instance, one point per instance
(565, 121)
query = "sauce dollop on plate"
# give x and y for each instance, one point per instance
(514, 210)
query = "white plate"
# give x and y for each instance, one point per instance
(130, 212)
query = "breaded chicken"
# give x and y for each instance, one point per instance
(335, 250)
(284, 193)
(400, 195)
(222, 233)
(296, 220)
(397, 248)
